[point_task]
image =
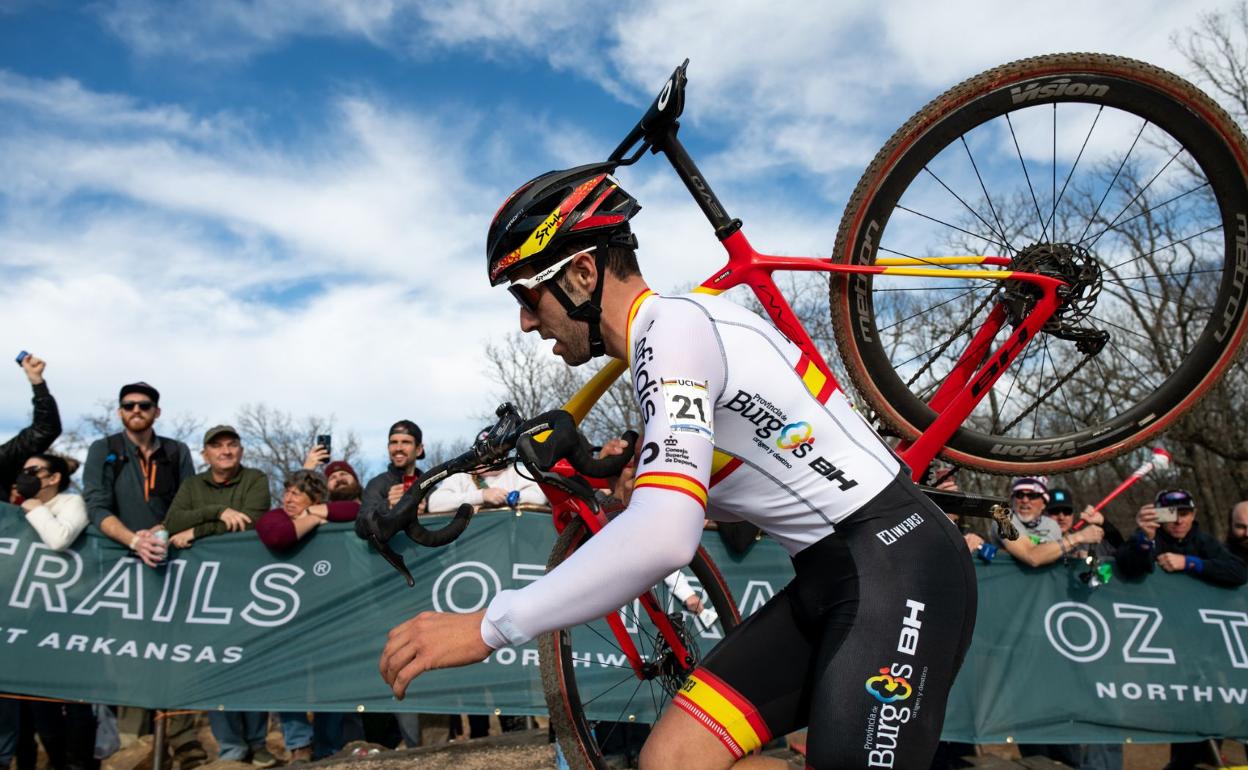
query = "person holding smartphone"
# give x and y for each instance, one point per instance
(44, 427)
(1168, 535)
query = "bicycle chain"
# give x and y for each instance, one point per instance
(1048, 393)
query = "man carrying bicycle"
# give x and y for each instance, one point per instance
(863, 645)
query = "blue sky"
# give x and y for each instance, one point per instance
(286, 202)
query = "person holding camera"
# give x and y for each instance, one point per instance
(44, 428)
(1168, 535)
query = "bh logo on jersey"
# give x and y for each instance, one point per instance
(798, 437)
(891, 685)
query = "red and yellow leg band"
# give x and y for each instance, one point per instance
(677, 482)
(722, 710)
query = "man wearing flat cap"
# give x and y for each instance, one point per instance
(131, 477)
(405, 449)
(227, 497)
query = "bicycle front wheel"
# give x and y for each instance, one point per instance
(1122, 179)
(598, 704)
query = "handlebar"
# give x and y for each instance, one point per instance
(541, 442)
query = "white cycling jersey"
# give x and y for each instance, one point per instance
(739, 424)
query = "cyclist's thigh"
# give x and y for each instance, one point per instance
(879, 695)
(755, 684)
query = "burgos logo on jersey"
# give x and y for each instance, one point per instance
(797, 436)
(891, 685)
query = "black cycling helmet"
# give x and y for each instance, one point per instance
(554, 208)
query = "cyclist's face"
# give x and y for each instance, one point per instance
(551, 322)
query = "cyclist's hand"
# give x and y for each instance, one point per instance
(973, 541)
(431, 640)
(1146, 520)
(694, 604)
(394, 494)
(1092, 516)
(234, 521)
(622, 487)
(492, 497)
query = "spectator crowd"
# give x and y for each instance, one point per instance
(141, 490)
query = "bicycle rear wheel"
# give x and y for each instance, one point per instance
(596, 701)
(1121, 178)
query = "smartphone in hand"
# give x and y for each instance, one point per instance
(1167, 515)
(326, 441)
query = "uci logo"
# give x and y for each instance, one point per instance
(887, 688)
(796, 434)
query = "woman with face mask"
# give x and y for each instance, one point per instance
(57, 516)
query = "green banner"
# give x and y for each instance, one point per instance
(227, 624)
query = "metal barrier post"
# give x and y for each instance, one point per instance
(158, 742)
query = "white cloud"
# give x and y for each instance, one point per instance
(151, 254)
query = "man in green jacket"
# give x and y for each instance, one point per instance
(225, 498)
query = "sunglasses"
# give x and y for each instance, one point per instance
(1027, 495)
(130, 406)
(525, 290)
(1061, 513)
(34, 470)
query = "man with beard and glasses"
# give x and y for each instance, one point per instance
(1041, 539)
(129, 482)
(1237, 533)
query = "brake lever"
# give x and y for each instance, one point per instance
(393, 558)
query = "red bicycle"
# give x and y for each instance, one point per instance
(1077, 222)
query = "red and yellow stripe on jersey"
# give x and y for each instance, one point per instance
(633, 309)
(677, 482)
(722, 710)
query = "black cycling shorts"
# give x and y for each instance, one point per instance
(861, 647)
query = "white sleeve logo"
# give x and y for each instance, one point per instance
(689, 408)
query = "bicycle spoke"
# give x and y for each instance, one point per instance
(1135, 333)
(965, 205)
(951, 226)
(1136, 197)
(1070, 412)
(1110, 188)
(987, 197)
(926, 310)
(1194, 310)
(1075, 165)
(1039, 217)
(1147, 276)
(1163, 248)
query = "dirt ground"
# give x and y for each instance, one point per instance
(531, 751)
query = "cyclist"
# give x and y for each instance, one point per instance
(864, 643)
